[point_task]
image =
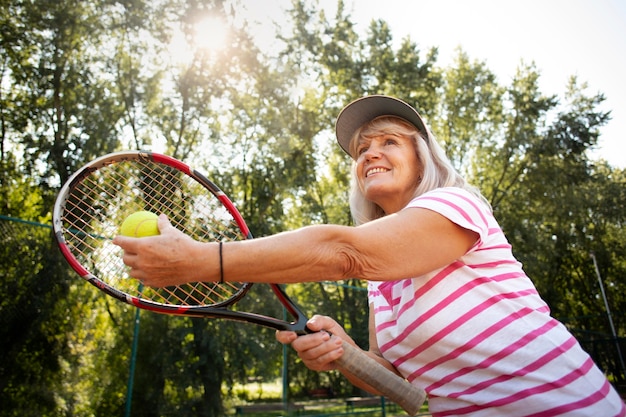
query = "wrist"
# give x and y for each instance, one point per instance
(221, 261)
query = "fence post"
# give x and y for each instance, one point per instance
(608, 312)
(382, 405)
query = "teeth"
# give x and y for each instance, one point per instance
(375, 171)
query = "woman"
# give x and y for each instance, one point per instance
(451, 309)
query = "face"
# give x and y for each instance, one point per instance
(388, 170)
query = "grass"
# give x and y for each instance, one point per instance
(272, 391)
(259, 391)
(328, 408)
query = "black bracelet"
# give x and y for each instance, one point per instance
(221, 265)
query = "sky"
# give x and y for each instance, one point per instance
(585, 38)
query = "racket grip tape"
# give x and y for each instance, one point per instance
(389, 384)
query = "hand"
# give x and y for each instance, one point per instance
(318, 350)
(163, 260)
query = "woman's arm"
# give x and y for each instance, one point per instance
(402, 245)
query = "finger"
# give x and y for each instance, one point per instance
(121, 241)
(324, 354)
(286, 337)
(130, 261)
(322, 357)
(163, 223)
(319, 323)
(127, 243)
(138, 275)
(130, 251)
(310, 341)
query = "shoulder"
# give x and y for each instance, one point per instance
(460, 206)
(455, 194)
(452, 198)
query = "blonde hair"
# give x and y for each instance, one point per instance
(437, 170)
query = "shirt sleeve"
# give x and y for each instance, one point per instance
(459, 206)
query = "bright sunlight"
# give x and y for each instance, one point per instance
(209, 35)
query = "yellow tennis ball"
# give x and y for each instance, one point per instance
(140, 224)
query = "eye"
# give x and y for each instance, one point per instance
(362, 147)
(391, 141)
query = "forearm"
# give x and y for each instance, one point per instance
(314, 253)
(308, 254)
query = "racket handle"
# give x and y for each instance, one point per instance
(392, 386)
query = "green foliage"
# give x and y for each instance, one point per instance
(66, 110)
(32, 322)
(80, 80)
(471, 111)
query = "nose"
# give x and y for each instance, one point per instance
(373, 151)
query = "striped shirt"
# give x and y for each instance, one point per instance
(477, 335)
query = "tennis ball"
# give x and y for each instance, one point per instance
(140, 224)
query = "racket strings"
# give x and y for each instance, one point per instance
(101, 200)
(198, 293)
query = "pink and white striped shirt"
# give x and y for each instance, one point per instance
(478, 337)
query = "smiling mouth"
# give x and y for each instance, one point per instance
(375, 171)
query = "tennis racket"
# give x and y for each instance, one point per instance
(96, 199)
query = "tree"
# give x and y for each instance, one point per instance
(30, 370)
(54, 106)
(471, 112)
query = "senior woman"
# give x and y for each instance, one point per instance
(451, 309)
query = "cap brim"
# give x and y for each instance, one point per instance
(366, 109)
